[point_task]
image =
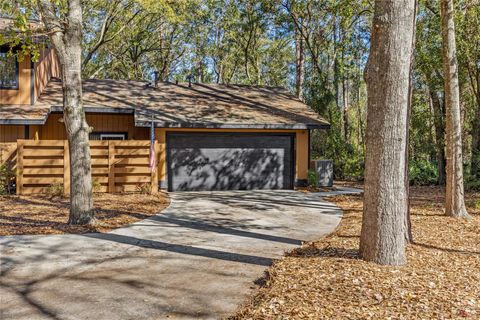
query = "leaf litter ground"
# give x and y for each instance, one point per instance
(42, 214)
(326, 279)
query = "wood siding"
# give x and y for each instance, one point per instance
(22, 95)
(11, 133)
(55, 130)
(45, 68)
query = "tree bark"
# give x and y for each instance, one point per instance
(346, 105)
(439, 123)
(408, 220)
(300, 64)
(67, 41)
(454, 198)
(475, 161)
(387, 76)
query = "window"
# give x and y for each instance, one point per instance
(8, 71)
(108, 136)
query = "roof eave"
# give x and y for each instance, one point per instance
(207, 125)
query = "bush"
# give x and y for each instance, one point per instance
(7, 179)
(55, 190)
(422, 172)
(348, 159)
(472, 183)
(96, 186)
(144, 188)
(312, 178)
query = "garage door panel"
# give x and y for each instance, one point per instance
(204, 162)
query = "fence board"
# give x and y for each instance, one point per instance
(99, 152)
(42, 171)
(66, 168)
(42, 180)
(132, 179)
(132, 161)
(28, 152)
(132, 152)
(41, 143)
(132, 170)
(41, 162)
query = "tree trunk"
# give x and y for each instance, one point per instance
(67, 44)
(300, 64)
(81, 202)
(438, 115)
(346, 103)
(387, 76)
(408, 220)
(454, 198)
(475, 162)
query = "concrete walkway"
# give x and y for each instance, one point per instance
(199, 258)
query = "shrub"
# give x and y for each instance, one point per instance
(472, 183)
(312, 178)
(7, 179)
(96, 186)
(422, 172)
(143, 188)
(55, 190)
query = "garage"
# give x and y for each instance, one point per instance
(230, 161)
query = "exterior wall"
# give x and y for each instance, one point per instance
(22, 95)
(10, 133)
(45, 68)
(301, 149)
(53, 129)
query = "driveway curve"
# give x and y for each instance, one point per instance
(198, 259)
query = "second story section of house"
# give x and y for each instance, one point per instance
(22, 80)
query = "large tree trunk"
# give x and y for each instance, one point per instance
(408, 220)
(454, 199)
(438, 115)
(387, 75)
(67, 41)
(300, 63)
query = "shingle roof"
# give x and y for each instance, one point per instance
(177, 105)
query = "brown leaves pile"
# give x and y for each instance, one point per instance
(326, 279)
(49, 215)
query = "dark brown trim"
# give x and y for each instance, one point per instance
(94, 134)
(197, 125)
(32, 82)
(301, 183)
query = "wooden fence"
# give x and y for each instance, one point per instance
(117, 166)
(8, 154)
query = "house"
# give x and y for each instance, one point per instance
(210, 136)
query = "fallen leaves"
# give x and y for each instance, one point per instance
(326, 279)
(40, 214)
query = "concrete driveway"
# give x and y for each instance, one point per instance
(199, 258)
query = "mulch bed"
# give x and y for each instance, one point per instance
(326, 279)
(42, 214)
